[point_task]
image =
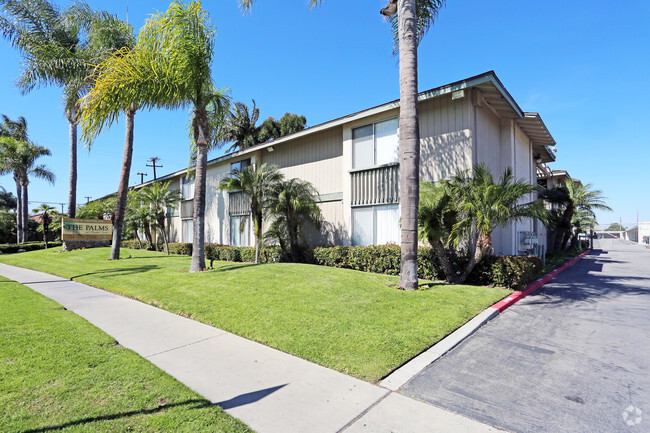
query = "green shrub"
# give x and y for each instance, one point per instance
(382, 259)
(27, 246)
(514, 272)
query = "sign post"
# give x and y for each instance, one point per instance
(85, 233)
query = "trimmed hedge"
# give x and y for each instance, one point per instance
(505, 271)
(383, 259)
(513, 272)
(27, 246)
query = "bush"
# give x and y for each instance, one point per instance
(513, 272)
(383, 259)
(27, 246)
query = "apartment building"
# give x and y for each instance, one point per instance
(353, 163)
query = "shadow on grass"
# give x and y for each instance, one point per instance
(193, 404)
(237, 401)
(234, 267)
(120, 271)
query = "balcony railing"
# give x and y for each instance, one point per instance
(239, 203)
(377, 185)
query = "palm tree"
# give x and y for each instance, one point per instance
(158, 197)
(483, 205)
(168, 68)
(583, 220)
(240, 127)
(575, 196)
(293, 204)
(410, 20)
(54, 54)
(18, 130)
(257, 184)
(7, 200)
(19, 157)
(436, 218)
(46, 213)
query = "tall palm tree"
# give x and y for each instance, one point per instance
(158, 197)
(257, 184)
(46, 212)
(483, 205)
(18, 130)
(240, 126)
(293, 204)
(55, 54)
(410, 20)
(19, 157)
(170, 67)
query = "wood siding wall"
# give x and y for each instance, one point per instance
(445, 137)
(316, 159)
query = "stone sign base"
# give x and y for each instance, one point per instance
(77, 245)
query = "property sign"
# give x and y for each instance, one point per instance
(86, 230)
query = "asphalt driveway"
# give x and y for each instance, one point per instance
(572, 357)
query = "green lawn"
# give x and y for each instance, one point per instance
(58, 372)
(351, 321)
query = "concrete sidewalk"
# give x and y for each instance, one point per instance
(269, 390)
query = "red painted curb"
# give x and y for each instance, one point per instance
(514, 297)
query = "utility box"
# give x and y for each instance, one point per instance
(527, 241)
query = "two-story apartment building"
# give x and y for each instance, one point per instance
(353, 162)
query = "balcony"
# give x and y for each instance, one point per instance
(374, 186)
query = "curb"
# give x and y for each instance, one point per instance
(515, 297)
(399, 377)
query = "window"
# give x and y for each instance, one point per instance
(240, 230)
(240, 165)
(187, 187)
(375, 225)
(188, 231)
(375, 144)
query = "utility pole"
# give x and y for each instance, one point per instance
(142, 175)
(87, 199)
(153, 160)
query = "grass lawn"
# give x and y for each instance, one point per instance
(58, 372)
(351, 321)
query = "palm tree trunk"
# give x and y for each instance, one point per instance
(161, 225)
(73, 118)
(45, 225)
(147, 234)
(443, 258)
(198, 246)
(24, 211)
(409, 143)
(566, 218)
(123, 189)
(483, 245)
(19, 211)
(258, 234)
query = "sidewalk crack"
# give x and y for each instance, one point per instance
(180, 347)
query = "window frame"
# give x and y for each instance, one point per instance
(374, 221)
(374, 143)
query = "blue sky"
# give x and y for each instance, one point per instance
(580, 64)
